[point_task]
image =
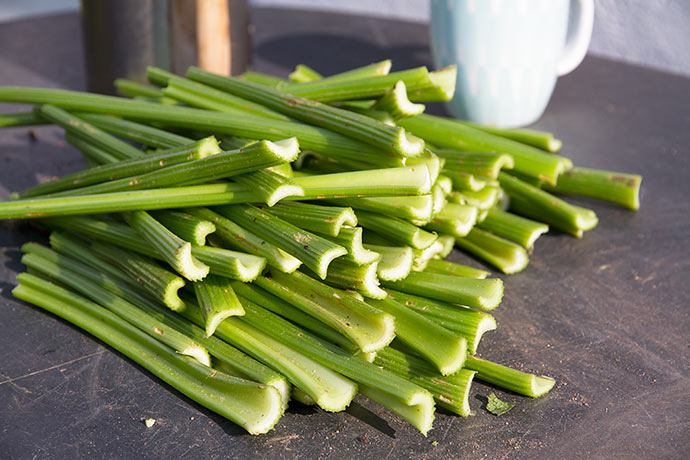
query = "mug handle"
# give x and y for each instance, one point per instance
(578, 41)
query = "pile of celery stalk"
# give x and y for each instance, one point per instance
(254, 240)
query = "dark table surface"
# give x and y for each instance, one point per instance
(607, 316)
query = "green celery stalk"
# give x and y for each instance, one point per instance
(200, 101)
(431, 160)
(132, 88)
(441, 87)
(72, 124)
(445, 183)
(303, 74)
(420, 414)
(115, 281)
(540, 139)
(368, 327)
(388, 182)
(233, 102)
(331, 89)
(314, 251)
(313, 138)
(351, 239)
(395, 102)
(397, 230)
(155, 280)
(278, 306)
(153, 137)
(441, 347)
(256, 156)
(423, 256)
(411, 208)
(448, 133)
(9, 120)
(512, 227)
(197, 195)
(616, 187)
(482, 164)
(447, 243)
(158, 76)
(186, 226)
(310, 161)
(353, 125)
(84, 256)
(284, 169)
(70, 245)
(499, 252)
(230, 264)
(438, 200)
(307, 74)
(483, 294)
(346, 274)
(465, 181)
(217, 301)
(315, 187)
(93, 155)
(263, 79)
(445, 267)
(483, 199)
(127, 168)
(369, 70)
(454, 219)
(174, 250)
(242, 365)
(270, 186)
(395, 263)
(59, 268)
(328, 220)
(520, 382)
(301, 397)
(399, 394)
(109, 231)
(253, 406)
(531, 202)
(331, 391)
(468, 323)
(241, 239)
(449, 393)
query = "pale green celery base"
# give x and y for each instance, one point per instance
(189, 266)
(171, 299)
(218, 318)
(198, 353)
(301, 397)
(394, 265)
(326, 259)
(486, 324)
(419, 412)
(202, 231)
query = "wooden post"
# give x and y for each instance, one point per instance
(212, 34)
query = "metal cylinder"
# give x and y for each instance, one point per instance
(118, 41)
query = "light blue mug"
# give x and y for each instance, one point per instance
(509, 54)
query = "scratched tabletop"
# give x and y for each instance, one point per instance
(608, 316)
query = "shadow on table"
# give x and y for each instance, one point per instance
(365, 415)
(6, 291)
